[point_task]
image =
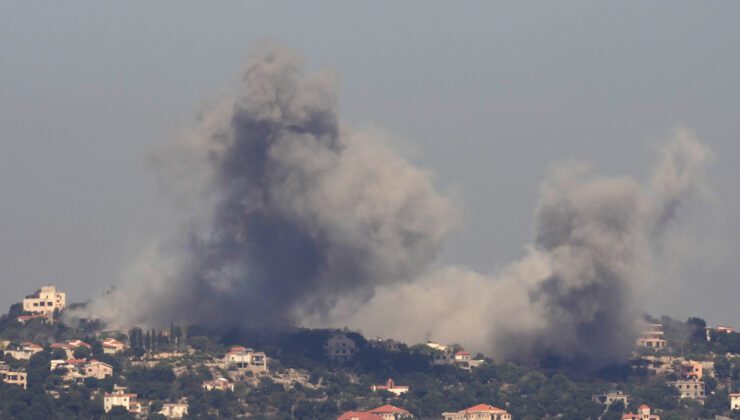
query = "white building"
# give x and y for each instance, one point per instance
(174, 410)
(45, 300)
(219, 384)
(735, 401)
(121, 399)
(643, 413)
(653, 337)
(391, 386)
(479, 412)
(340, 347)
(244, 358)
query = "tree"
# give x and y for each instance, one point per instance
(722, 367)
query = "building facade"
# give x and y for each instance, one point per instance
(479, 412)
(45, 300)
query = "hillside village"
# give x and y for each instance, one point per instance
(52, 370)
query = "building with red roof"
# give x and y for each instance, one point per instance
(643, 413)
(479, 412)
(391, 386)
(391, 412)
(358, 415)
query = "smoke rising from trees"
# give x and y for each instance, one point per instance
(301, 219)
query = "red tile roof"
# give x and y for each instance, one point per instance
(483, 408)
(358, 415)
(389, 409)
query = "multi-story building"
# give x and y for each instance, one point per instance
(244, 358)
(340, 347)
(653, 337)
(689, 389)
(45, 300)
(174, 410)
(121, 399)
(97, 369)
(611, 397)
(479, 412)
(113, 346)
(735, 401)
(391, 412)
(24, 351)
(643, 413)
(15, 377)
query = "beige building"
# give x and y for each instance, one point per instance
(97, 369)
(653, 337)
(689, 389)
(45, 300)
(113, 346)
(174, 410)
(15, 377)
(643, 413)
(340, 347)
(391, 412)
(611, 397)
(24, 351)
(121, 399)
(244, 358)
(735, 401)
(479, 412)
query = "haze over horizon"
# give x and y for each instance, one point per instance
(484, 104)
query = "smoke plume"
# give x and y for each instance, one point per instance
(303, 220)
(578, 292)
(299, 210)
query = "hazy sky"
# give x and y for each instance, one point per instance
(485, 95)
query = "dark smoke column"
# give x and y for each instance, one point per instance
(301, 210)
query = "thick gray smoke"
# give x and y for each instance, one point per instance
(301, 219)
(577, 293)
(299, 210)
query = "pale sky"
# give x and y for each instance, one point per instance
(485, 95)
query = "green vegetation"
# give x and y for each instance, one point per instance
(318, 388)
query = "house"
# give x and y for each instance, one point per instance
(340, 347)
(219, 384)
(689, 369)
(391, 412)
(174, 410)
(24, 351)
(113, 346)
(121, 399)
(244, 358)
(479, 412)
(725, 329)
(611, 397)
(385, 344)
(97, 369)
(391, 386)
(15, 377)
(643, 413)
(735, 401)
(689, 389)
(45, 300)
(358, 415)
(653, 337)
